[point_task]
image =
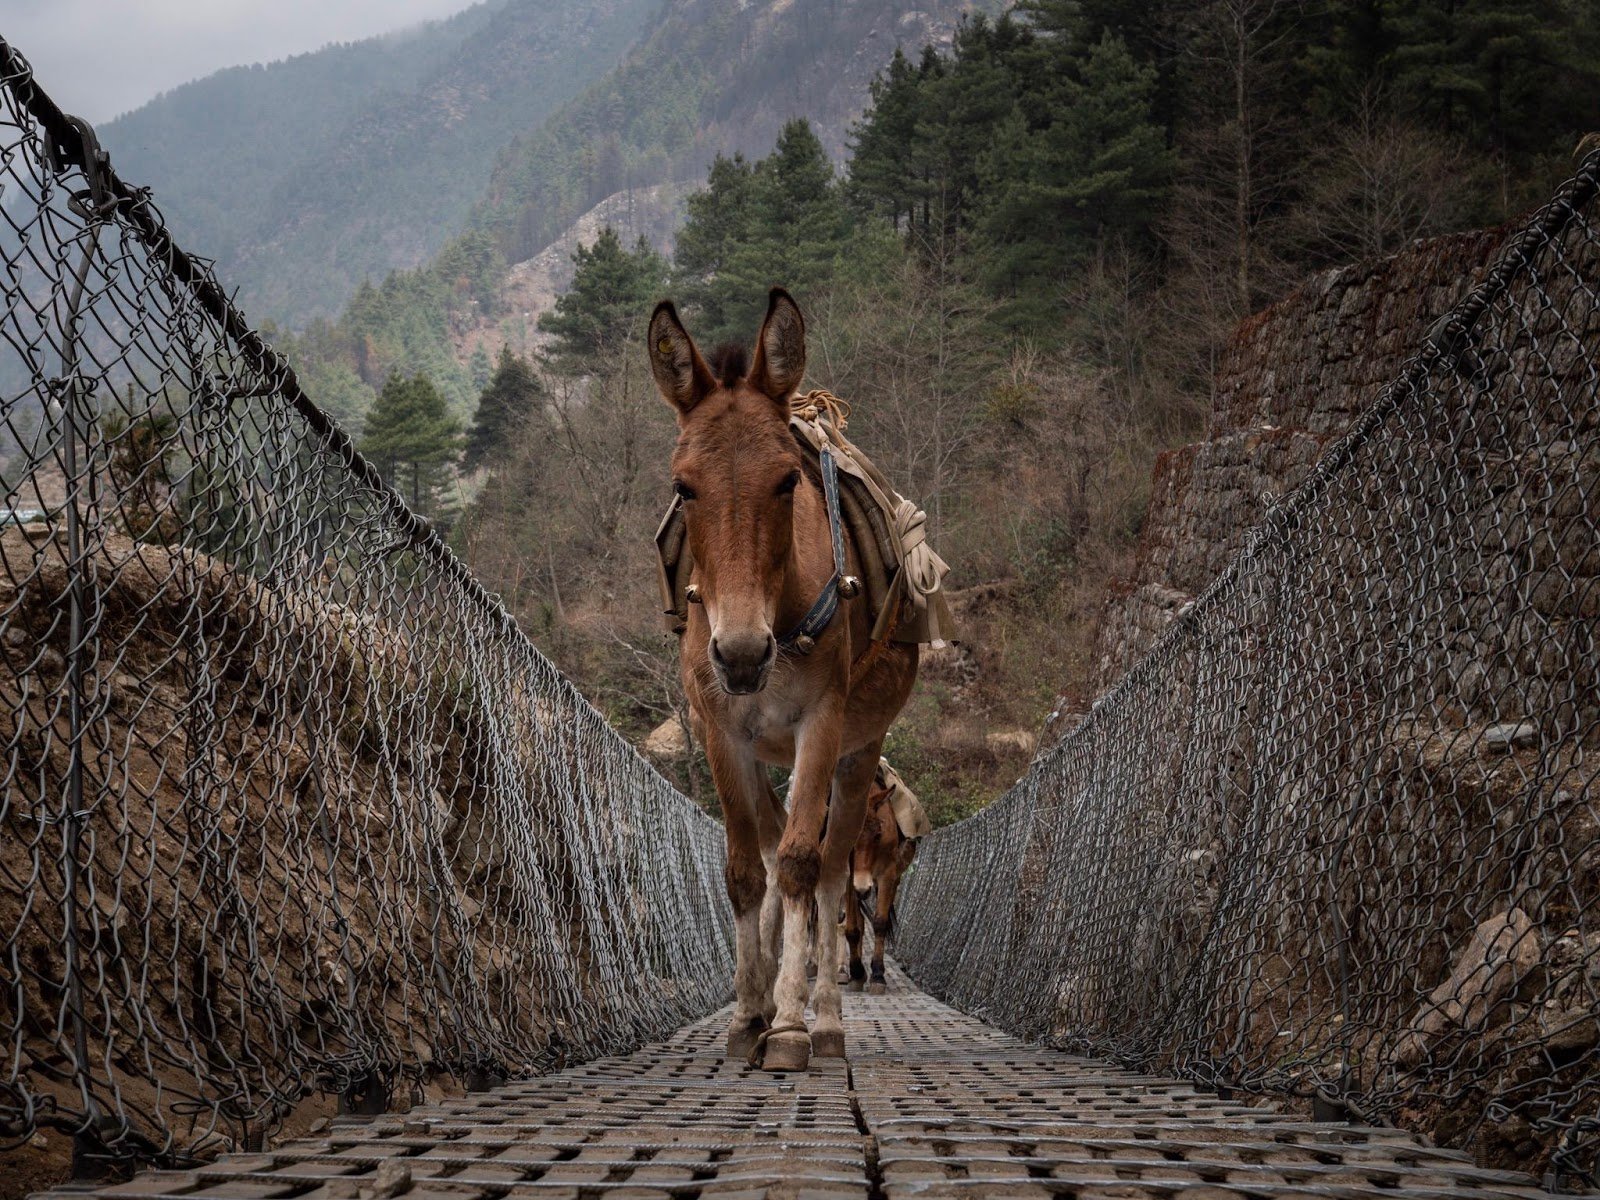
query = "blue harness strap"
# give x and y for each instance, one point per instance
(804, 635)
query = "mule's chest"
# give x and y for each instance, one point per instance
(768, 721)
(770, 725)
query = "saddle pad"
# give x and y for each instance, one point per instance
(908, 811)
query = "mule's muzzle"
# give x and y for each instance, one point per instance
(743, 661)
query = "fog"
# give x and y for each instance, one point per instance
(100, 58)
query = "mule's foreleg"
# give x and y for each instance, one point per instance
(799, 869)
(883, 925)
(739, 786)
(851, 780)
(771, 832)
(852, 936)
(827, 1035)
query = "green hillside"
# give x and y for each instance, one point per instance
(708, 77)
(306, 176)
(711, 77)
(1020, 282)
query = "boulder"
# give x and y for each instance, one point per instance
(667, 741)
(1510, 735)
(1499, 953)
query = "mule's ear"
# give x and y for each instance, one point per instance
(780, 361)
(681, 374)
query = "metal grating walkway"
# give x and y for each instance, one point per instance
(931, 1103)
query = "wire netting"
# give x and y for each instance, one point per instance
(1336, 835)
(289, 803)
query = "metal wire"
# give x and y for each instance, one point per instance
(1336, 835)
(289, 803)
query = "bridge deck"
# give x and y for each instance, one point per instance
(931, 1103)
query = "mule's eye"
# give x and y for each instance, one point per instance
(683, 489)
(789, 483)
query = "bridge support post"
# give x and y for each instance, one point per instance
(90, 1162)
(93, 1160)
(1330, 1110)
(96, 1157)
(480, 1079)
(368, 1096)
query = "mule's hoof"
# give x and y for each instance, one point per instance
(827, 1043)
(877, 987)
(856, 985)
(742, 1040)
(788, 1051)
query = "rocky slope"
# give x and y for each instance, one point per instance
(1291, 379)
(530, 287)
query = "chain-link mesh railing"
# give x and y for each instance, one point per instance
(1337, 835)
(289, 803)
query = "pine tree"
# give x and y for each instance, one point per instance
(1108, 155)
(1512, 83)
(884, 149)
(607, 303)
(413, 439)
(782, 221)
(798, 222)
(1344, 60)
(513, 393)
(1514, 77)
(1055, 195)
(341, 392)
(1148, 28)
(986, 82)
(716, 219)
(480, 367)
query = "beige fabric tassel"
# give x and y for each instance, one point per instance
(924, 569)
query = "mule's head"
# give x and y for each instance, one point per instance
(737, 467)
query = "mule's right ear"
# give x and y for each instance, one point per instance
(681, 374)
(780, 361)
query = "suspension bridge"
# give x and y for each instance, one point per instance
(317, 879)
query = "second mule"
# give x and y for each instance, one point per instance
(883, 852)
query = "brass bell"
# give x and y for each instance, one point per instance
(849, 587)
(804, 644)
(692, 593)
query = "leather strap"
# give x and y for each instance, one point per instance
(826, 605)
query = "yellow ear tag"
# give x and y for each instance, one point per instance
(664, 347)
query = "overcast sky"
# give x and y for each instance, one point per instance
(100, 58)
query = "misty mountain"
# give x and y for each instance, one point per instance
(708, 77)
(306, 176)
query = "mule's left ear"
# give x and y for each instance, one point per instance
(780, 361)
(680, 372)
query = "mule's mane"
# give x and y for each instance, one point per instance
(730, 362)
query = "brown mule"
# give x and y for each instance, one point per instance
(878, 863)
(764, 551)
